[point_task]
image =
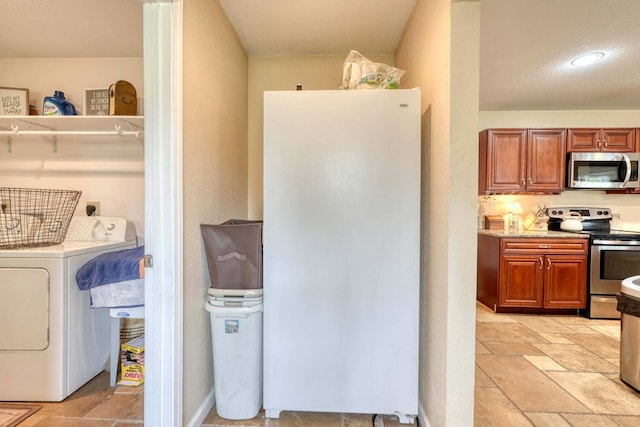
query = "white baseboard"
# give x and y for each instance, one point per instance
(203, 410)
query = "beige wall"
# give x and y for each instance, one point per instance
(214, 169)
(625, 205)
(284, 73)
(108, 169)
(440, 50)
(43, 76)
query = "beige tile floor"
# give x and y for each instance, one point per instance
(531, 370)
(93, 405)
(554, 371)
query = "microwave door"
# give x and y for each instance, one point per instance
(599, 175)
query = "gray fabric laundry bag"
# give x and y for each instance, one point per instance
(234, 254)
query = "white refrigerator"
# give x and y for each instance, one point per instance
(341, 244)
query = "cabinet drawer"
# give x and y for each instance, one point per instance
(544, 246)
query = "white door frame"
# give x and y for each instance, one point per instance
(163, 211)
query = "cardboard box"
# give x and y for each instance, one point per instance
(493, 222)
(132, 359)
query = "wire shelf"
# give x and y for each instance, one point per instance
(31, 217)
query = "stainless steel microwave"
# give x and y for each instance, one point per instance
(598, 171)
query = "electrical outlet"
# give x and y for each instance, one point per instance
(5, 206)
(95, 212)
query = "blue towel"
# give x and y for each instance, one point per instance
(111, 267)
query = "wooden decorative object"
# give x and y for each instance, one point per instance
(493, 222)
(123, 100)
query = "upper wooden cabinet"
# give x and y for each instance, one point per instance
(619, 140)
(547, 160)
(522, 160)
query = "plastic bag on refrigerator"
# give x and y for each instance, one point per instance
(359, 72)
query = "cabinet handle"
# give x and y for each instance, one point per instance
(599, 143)
(543, 247)
(523, 182)
(548, 264)
(530, 181)
(541, 263)
(606, 143)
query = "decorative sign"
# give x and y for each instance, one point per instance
(14, 102)
(96, 102)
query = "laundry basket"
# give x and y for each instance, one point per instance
(32, 217)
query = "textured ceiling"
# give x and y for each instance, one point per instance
(318, 27)
(525, 45)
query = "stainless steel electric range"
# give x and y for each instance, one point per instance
(614, 255)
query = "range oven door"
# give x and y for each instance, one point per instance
(612, 262)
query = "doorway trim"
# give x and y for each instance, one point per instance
(162, 32)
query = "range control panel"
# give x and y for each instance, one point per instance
(586, 213)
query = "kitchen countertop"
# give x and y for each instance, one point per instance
(535, 233)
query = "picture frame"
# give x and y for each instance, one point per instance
(96, 102)
(14, 101)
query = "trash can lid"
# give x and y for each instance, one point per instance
(631, 286)
(218, 292)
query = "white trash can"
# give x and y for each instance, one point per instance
(629, 306)
(236, 333)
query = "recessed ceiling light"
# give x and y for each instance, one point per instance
(587, 59)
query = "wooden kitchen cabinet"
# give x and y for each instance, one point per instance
(521, 281)
(502, 160)
(546, 160)
(616, 140)
(521, 161)
(532, 273)
(565, 281)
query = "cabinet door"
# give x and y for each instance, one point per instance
(583, 140)
(565, 281)
(618, 140)
(503, 160)
(546, 160)
(521, 281)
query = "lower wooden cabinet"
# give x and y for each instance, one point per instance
(535, 273)
(549, 281)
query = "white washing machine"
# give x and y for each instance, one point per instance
(51, 341)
